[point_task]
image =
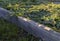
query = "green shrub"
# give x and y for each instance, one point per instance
(47, 14)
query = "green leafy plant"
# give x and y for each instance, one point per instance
(44, 13)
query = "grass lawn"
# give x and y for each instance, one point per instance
(10, 32)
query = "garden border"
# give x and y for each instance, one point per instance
(34, 28)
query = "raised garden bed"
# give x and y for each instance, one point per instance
(36, 29)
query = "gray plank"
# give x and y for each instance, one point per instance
(34, 28)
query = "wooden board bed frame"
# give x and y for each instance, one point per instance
(34, 28)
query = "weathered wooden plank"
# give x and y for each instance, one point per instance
(34, 28)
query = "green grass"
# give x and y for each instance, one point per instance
(10, 32)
